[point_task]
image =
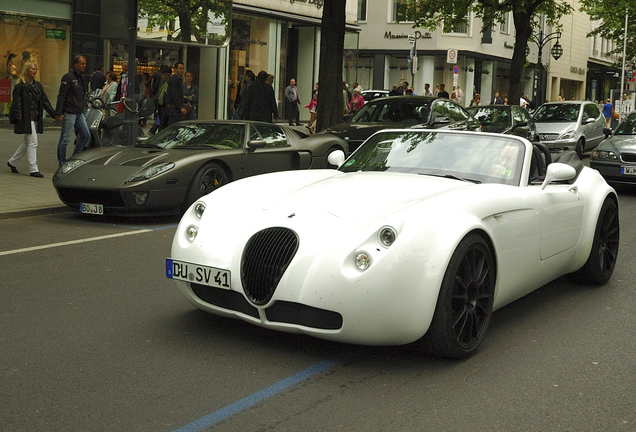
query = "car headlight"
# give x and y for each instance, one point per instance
(69, 166)
(387, 236)
(567, 135)
(605, 154)
(152, 171)
(199, 209)
(362, 260)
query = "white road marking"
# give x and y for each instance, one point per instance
(71, 242)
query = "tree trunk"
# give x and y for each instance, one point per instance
(186, 26)
(523, 33)
(332, 31)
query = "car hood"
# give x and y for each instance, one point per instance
(124, 156)
(362, 131)
(554, 128)
(622, 143)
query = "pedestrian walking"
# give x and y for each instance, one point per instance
(175, 103)
(291, 103)
(71, 101)
(259, 103)
(29, 103)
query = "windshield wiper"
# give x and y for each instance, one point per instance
(450, 176)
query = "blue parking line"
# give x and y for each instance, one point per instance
(238, 406)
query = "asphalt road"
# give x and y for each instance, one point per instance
(93, 337)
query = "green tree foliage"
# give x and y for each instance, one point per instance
(612, 23)
(193, 16)
(431, 14)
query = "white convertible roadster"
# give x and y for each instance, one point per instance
(417, 237)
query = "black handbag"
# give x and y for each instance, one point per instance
(12, 113)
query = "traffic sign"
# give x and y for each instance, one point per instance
(456, 70)
(451, 56)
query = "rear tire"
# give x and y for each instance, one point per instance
(210, 177)
(600, 264)
(465, 300)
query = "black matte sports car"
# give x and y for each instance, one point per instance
(169, 171)
(505, 119)
(402, 112)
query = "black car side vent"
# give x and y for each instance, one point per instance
(264, 261)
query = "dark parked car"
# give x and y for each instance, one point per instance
(403, 112)
(615, 157)
(172, 169)
(505, 119)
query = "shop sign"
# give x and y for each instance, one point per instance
(318, 3)
(5, 90)
(56, 34)
(418, 35)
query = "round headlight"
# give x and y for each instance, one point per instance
(387, 236)
(191, 232)
(199, 208)
(362, 260)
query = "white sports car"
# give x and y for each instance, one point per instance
(417, 237)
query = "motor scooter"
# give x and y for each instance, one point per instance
(109, 130)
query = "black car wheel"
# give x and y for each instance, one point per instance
(580, 148)
(210, 177)
(602, 260)
(464, 305)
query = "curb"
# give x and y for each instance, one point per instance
(15, 214)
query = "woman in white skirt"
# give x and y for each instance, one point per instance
(29, 103)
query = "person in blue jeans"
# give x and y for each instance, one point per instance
(71, 102)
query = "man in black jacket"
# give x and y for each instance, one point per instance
(260, 102)
(71, 101)
(174, 96)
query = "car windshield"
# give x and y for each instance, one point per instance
(394, 110)
(496, 115)
(466, 156)
(198, 135)
(628, 126)
(554, 113)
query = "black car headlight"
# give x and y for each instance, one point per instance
(151, 171)
(605, 155)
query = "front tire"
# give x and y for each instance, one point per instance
(580, 148)
(465, 300)
(600, 264)
(209, 178)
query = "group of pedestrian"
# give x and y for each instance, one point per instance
(178, 101)
(255, 99)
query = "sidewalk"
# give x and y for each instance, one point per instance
(21, 194)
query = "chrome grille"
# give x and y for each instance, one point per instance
(265, 259)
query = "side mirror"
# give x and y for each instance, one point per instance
(521, 124)
(607, 132)
(256, 144)
(558, 172)
(336, 157)
(441, 120)
(589, 120)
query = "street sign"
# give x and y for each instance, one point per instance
(415, 65)
(456, 70)
(451, 56)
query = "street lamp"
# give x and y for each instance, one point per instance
(556, 51)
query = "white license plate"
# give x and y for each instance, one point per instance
(628, 170)
(97, 209)
(204, 275)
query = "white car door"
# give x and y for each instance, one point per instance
(561, 215)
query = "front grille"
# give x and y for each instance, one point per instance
(300, 314)
(265, 259)
(225, 299)
(109, 198)
(548, 137)
(628, 157)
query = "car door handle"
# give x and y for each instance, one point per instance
(573, 189)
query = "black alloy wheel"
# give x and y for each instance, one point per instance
(465, 301)
(600, 264)
(210, 177)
